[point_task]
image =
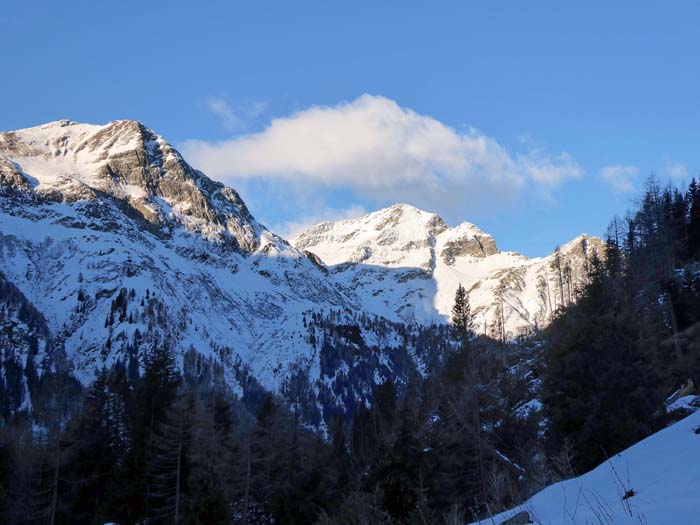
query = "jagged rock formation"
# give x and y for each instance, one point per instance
(68, 162)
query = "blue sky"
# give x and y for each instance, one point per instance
(534, 120)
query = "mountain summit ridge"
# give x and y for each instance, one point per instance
(69, 162)
(432, 259)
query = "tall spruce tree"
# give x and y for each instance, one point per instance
(214, 459)
(462, 322)
(158, 390)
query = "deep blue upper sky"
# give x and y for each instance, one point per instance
(617, 88)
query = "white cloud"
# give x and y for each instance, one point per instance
(550, 170)
(376, 147)
(623, 179)
(221, 109)
(676, 172)
(236, 118)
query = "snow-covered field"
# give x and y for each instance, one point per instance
(655, 482)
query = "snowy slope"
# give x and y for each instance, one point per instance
(88, 210)
(409, 262)
(662, 472)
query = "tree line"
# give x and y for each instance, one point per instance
(171, 445)
(631, 338)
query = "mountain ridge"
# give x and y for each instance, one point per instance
(121, 245)
(69, 228)
(427, 249)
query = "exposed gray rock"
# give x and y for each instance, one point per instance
(476, 246)
(11, 178)
(128, 153)
(317, 261)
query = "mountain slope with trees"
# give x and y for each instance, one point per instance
(166, 358)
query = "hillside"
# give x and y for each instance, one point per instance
(654, 482)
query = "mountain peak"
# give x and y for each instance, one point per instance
(401, 229)
(404, 207)
(414, 262)
(67, 141)
(69, 162)
(584, 246)
(402, 213)
(61, 123)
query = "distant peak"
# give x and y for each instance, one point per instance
(48, 126)
(122, 124)
(58, 124)
(404, 207)
(126, 124)
(584, 245)
(466, 227)
(129, 161)
(64, 138)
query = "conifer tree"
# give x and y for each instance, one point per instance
(462, 322)
(158, 390)
(594, 365)
(168, 462)
(693, 197)
(558, 267)
(214, 459)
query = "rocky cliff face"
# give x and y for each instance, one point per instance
(68, 162)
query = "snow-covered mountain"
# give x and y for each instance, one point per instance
(111, 243)
(114, 239)
(409, 262)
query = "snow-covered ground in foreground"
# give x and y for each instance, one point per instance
(663, 471)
